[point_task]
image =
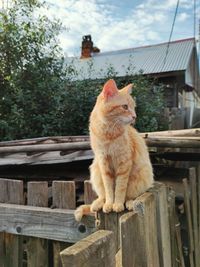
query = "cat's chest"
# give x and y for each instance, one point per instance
(115, 149)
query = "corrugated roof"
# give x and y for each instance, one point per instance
(148, 59)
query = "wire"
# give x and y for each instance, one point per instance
(171, 32)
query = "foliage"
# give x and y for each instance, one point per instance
(38, 96)
(32, 75)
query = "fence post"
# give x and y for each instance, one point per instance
(64, 197)
(110, 222)
(37, 248)
(139, 234)
(95, 250)
(11, 191)
(162, 216)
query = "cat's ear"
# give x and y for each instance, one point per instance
(110, 89)
(128, 88)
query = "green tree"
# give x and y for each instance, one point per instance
(32, 73)
(40, 95)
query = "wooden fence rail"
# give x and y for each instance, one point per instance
(38, 228)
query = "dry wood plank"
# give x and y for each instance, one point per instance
(140, 248)
(89, 194)
(162, 215)
(48, 139)
(64, 197)
(37, 248)
(193, 184)
(54, 224)
(172, 222)
(11, 191)
(110, 222)
(173, 133)
(46, 147)
(95, 250)
(198, 202)
(170, 142)
(179, 244)
(189, 221)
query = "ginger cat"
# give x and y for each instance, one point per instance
(121, 169)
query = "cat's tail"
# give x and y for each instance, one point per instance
(82, 210)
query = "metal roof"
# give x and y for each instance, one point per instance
(152, 59)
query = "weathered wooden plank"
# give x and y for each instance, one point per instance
(172, 223)
(94, 250)
(162, 216)
(173, 133)
(89, 194)
(193, 184)
(37, 194)
(11, 191)
(110, 222)
(64, 197)
(37, 249)
(45, 147)
(141, 247)
(179, 244)
(198, 204)
(170, 142)
(189, 221)
(54, 224)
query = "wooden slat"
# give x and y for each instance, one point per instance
(110, 222)
(198, 199)
(189, 222)
(89, 194)
(46, 147)
(140, 248)
(64, 197)
(170, 142)
(179, 244)
(95, 250)
(185, 132)
(54, 224)
(162, 215)
(11, 191)
(37, 249)
(193, 184)
(172, 223)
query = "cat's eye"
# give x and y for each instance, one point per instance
(125, 107)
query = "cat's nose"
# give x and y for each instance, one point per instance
(134, 115)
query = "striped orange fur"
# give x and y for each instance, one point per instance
(121, 169)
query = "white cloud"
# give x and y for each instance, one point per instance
(139, 25)
(182, 17)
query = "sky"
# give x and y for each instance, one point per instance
(115, 24)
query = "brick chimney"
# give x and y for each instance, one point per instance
(87, 47)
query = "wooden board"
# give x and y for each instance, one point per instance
(95, 250)
(64, 197)
(162, 216)
(140, 248)
(11, 191)
(55, 224)
(37, 249)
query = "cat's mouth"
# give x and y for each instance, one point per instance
(133, 122)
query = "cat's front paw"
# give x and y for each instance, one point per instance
(117, 207)
(129, 204)
(97, 205)
(107, 207)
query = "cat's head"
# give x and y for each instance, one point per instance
(117, 105)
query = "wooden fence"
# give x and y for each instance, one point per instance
(37, 227)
